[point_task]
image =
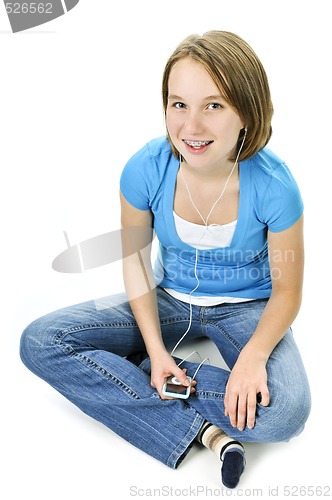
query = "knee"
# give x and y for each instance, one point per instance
(288, 412)
(299, 408)
(34, 341)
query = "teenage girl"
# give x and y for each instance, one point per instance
(228, 215)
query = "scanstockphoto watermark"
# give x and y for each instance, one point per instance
(23, 15)
(200, 491)
(192, 491)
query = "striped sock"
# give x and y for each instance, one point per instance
(227, 449)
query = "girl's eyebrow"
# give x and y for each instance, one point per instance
(214, 98)
(175, 97)
(208, 98)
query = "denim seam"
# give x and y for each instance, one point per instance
(169, 321)
(203, 322)
(67, 349)
(86, 326)
(210, 394)
(186, 440)
(224, 333)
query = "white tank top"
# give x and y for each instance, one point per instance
(203, 238)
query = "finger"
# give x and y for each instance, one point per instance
(192, 388)
(251, 410)
(226, 403)
(182, 377)
(232, 409)
(265, 397)
(156, 385)
(241, 412)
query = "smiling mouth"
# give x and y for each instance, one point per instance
(197, 144)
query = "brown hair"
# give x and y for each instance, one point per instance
(240, 77)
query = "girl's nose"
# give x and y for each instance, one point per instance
(193, 124)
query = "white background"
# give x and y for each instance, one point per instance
(78, 97)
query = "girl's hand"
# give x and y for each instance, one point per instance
(162, 366)
(246, 385)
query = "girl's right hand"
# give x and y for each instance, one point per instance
(162, 366)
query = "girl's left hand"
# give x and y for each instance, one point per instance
(246, 383)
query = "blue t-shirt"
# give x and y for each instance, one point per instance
(269, 200)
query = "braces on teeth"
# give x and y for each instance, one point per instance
(197, 144)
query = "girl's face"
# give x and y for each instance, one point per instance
(202, 126)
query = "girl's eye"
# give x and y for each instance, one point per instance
(179, 105)
(214, 105)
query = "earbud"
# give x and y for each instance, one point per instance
(243, 138)
(243, 134)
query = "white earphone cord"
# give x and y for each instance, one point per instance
(225, 186)
(203, 233)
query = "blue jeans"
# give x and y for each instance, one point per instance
(97, 359)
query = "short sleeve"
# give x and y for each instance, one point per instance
(283, 204)
(134, 181)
